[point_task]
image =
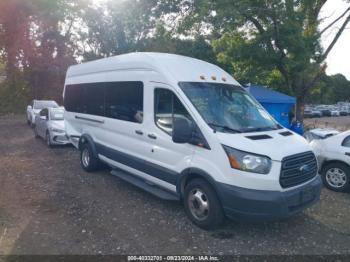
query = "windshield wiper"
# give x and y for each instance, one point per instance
(223, 127)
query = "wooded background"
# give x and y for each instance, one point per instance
(274, 43)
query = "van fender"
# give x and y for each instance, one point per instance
(87, 139)
(190, 173)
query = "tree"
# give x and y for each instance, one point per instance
(14, 34)
(37, 43)
(137, 26)
(267, 37)
(119, 27)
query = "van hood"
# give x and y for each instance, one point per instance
(274, 144)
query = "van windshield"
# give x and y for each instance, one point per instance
(228, 108)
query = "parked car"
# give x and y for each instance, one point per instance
(326, 112)
(333, 154)
(35, 107)
(343, 112)
(49, 124)
(308, 114)
(316, 113)
(184, 129)
(335, 112)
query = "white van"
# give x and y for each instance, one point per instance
(184, 129)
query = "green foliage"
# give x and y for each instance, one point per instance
(330, 89)
(136, 26)
(13, 96)
(37, 45)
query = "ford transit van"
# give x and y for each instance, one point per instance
(184, 129)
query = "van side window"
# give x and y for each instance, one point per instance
(124, 101)
(118, 100)
(73, 101)
(166, 107)
(93, 97)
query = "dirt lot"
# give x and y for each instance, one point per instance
(341, 123)
(48, 205)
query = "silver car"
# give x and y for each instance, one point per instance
(49, 124)
(35, 107)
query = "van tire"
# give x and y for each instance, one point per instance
(198, 196)
(88, 161)
(339, 167)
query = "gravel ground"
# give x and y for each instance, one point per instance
(48, 205)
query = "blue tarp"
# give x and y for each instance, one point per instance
(266, 95)
(276, 103)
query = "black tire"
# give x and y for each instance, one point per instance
(93, 163)
(48, 139)
(214, 216)
(343, 168)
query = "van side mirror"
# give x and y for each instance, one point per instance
(182, 130)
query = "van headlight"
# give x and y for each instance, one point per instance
(248, 162)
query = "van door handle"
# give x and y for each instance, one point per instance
(152, 136)
(139, 132)
(348, 154)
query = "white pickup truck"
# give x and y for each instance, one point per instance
(35, 107)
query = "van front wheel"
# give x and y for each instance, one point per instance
(88, 161)
(202, 204)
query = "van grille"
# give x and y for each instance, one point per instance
(297, 169)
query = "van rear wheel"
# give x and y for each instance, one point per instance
(88, 161)
(202, 205)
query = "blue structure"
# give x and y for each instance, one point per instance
(276, 103)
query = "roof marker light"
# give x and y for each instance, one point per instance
(202, 77)
(224, 79)
(213, 77)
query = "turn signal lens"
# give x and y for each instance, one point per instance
(233, 162)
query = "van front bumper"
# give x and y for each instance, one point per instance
(261, 205)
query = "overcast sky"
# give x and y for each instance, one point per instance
(338, 60)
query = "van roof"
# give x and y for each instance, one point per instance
(180, 68)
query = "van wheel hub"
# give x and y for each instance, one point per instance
(85, 157)
(198, 204)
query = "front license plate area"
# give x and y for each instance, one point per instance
(307, 195)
